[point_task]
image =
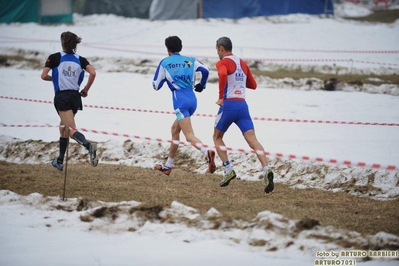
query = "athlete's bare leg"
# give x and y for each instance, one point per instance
(218, 141)
(253, 142)
(67, 120)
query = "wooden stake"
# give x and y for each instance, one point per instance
(66, 167)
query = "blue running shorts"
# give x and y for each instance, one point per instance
(184, 103)
(234, 111)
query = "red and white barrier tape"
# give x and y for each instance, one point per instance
(111, 46)
(114, 48)
(321, 60)
(327, 51)
(310, 60)
(274, 155)
(265, 59)
(309, 121)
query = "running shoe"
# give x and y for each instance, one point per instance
(163, 168)
(268, 181)
(227, 178)
(93, 154)
(211, 161)
(57, 165)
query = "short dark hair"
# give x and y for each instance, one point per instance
(225, 42)
(174, 44)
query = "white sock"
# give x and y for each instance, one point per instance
(228, 168)
(169, 162)
(204, 151)
(265, 169)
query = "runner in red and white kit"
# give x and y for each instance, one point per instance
(234, 77)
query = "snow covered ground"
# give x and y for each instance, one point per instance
(48, 231)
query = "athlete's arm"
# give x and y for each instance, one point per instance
(159, 77)
(204, 72)
(222, 73)
(92, 75)
(251, 82)
(84, 63)
(45, 75)
(52, 61)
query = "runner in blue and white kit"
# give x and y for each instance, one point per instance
(67, 75)
(178, 72)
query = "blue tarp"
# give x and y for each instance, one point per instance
(230, 8)
(235, 9)
(285, 7)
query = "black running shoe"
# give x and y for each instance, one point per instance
(93, 154)
(268, 181)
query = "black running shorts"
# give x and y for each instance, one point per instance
(68, 100)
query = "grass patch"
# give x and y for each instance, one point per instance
(384, 16)
(347, 78)
(240, 200)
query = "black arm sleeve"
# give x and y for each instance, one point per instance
(53, 60)
(83, 62)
